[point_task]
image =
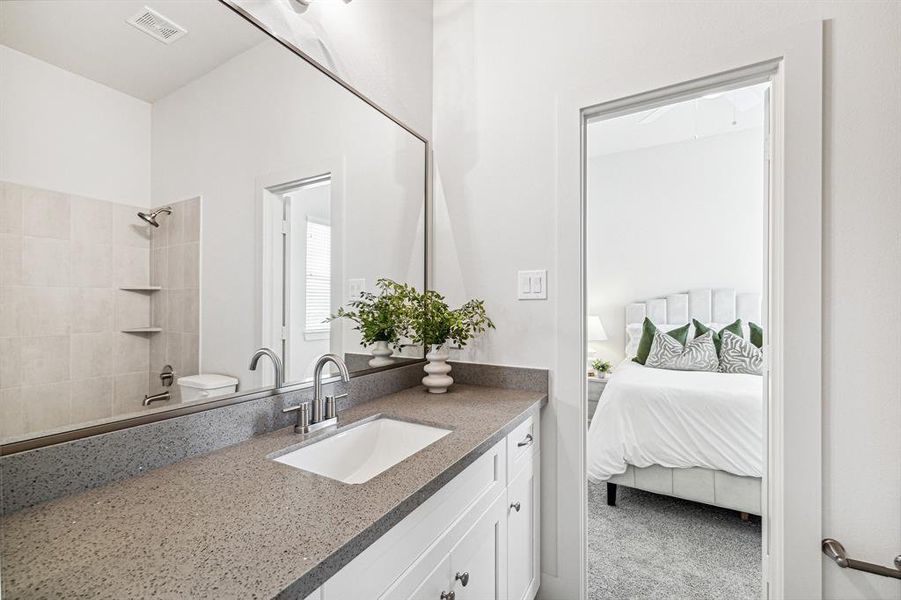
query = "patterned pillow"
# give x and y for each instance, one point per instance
(738, 355)
(697, 355)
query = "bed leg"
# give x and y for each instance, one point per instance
(611, 494)
(745, 516)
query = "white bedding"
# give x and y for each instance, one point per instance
(677, 419)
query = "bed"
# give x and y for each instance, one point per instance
(689, 434)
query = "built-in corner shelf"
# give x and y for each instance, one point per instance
(141, 288)
(143, 330)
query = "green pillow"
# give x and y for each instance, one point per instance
(756, 334)
(680, 334)
(701, 329)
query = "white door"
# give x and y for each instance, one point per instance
(477, 560)
(521, 529)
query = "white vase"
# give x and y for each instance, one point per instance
(381, 355)
(437, 381)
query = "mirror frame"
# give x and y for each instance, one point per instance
(163, 414)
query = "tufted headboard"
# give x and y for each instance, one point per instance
(713, 307)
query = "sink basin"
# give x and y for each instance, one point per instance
(362, 452)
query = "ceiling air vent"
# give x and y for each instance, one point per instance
(157, 26)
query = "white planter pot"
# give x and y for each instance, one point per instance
(437, 381)
(381, 354)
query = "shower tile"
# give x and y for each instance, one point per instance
(128, 228)
(173, 351)
(92, 265)
(10, 362)
(45, 214)
(92, 310)
(159, 236)
(176, 312)
(10, 259)
(46, 406)
(176, 268)
(132, 310)
(191, 311)
(132, 265)
(159, 309)
(191, 228)
(91, 399)
(190, 354)
(45, 359)
(10, 304)
(91, 354)
(91, 220)
(45, 262)
(132, 352)
(11, 208)
(176, 224)
(129, 392)
(191, 266)
(12, 415)
(45, 311)
(159, 266)
(157, 355)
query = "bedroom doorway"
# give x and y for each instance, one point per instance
(677, 213)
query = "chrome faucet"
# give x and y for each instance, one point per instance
(276, 363)
(324, 411)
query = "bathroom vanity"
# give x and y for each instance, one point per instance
(237, 523)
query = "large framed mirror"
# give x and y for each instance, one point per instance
(181, 187)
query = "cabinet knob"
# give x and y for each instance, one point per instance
(515, 506)
(527, 441)
(462, 578)
(448, 596)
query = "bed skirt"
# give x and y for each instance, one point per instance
(717, 488)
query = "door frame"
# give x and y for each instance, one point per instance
(792, 522)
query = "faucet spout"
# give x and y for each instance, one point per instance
(276, 364)
(320, 413)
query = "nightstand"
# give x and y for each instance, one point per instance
(596, 387)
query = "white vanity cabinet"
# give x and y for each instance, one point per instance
(466, 542)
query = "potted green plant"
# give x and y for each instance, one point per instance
(602, 368)
(381, 319)
(434, 325)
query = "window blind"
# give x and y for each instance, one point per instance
(319, 276)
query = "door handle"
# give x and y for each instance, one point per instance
(834, 550)
(516, 506)
(526, 442)
(463, 578)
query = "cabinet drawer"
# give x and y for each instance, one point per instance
(522, 443)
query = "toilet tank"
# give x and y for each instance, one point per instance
(206, 385)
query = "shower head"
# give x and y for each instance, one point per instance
(151, 216)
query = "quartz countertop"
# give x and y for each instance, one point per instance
(235, 524)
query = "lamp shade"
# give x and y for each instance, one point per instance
(596, 331)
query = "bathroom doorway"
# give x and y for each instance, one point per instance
(676, 199)
(297, 267)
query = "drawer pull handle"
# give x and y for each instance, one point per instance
(448, 596)
(516, 506)
(526, 442)
(462, 578)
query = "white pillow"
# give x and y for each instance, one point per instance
(698, 355)
(738, 355)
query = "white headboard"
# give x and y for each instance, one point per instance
(713, 307)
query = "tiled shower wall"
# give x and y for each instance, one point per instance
(175, 265)
(63, 356)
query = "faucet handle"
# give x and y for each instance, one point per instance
(303, 416)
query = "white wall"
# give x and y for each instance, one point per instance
(499, 68)
(382, 48)
(62, 132)
(264, 118)
(671, 218)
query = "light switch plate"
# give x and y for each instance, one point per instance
(531, 285)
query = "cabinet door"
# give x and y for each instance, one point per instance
(438, 582)
(478, 560)
(522, 535)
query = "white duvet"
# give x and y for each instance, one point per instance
(677, 419)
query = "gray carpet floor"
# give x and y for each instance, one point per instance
(654, 547)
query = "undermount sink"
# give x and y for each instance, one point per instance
(363, 451)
